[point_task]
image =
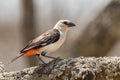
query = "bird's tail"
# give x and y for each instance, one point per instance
(14, 59)
(28, 53)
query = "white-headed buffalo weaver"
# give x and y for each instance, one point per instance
(48, 42)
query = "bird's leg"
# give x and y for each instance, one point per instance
(38, 56)
(44, 54)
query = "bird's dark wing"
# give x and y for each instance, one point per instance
(47, 38)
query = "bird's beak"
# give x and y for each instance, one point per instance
(71, 24)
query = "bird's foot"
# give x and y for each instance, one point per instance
(57, 58)
(42, 64)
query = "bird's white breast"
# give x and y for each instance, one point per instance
(54, 46)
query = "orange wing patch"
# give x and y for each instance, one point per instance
(31, 52)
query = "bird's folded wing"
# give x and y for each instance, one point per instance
(45, 39)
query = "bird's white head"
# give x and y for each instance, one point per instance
(64, 25)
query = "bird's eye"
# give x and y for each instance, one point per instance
(65, 23)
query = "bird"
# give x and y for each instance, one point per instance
(48, 42)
